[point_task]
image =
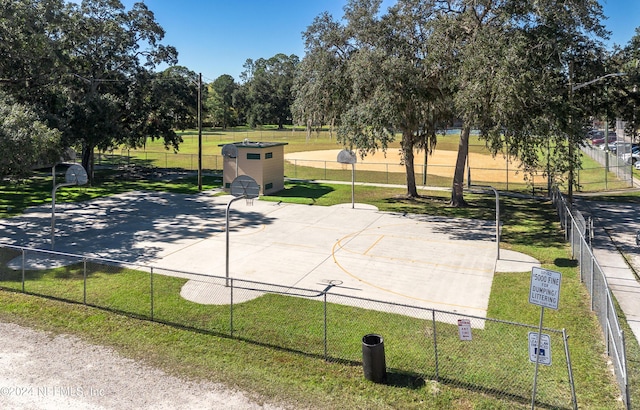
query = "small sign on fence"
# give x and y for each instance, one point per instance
(464, 329)
(545, 348)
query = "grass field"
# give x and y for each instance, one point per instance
(279, 374)
(485, 169)
(528, 228)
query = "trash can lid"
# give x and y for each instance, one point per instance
(372, 339)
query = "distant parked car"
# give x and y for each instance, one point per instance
(600, 140)
(591, 134)
(620, 147)
(631, 157)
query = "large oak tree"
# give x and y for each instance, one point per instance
(375, 76)
(87, 70)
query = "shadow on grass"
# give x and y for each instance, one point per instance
(565, 263)
(405, 380)
(309, 190)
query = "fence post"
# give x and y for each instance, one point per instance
(574, 401)
(151, 289)
(435, 344)
(591, 283)
(571, 238)
(23, 268)
(84, 281)
(607, 331)
(231, 307)
(325, 327)
(625, 373)
(580, 253)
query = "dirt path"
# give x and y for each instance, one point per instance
(46, 371)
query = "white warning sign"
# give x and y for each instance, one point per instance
(545, 288)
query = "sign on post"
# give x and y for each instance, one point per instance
(545, 288)
(544, 357)
(544, 292)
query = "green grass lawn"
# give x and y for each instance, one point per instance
(276, 350)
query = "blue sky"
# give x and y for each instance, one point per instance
(216, 37)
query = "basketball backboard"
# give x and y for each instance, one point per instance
(347, 157)
(230, 151)
(76, 175)
(245, 186)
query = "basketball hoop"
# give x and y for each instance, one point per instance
(249, 201)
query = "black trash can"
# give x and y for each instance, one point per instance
(373, 363)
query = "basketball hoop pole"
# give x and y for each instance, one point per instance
(71, 180)
(227, 230)
(349, 157)
(242, 187)
(353, 186)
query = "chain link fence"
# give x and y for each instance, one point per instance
(577, 232)
(421, 345)
(166, 163)
(614, 172)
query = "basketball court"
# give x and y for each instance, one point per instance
(432, 262)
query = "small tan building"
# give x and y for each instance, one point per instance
(262, 161)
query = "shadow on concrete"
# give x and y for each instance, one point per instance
(127, 226)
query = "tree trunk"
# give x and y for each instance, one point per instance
(333, 123)
(87, 160)
(407, 153)
(457, 196)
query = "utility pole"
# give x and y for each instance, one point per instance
(571, 136)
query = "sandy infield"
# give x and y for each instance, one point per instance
(441, 163)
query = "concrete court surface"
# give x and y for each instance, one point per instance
(425, 261)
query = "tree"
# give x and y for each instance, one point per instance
(510, 61)
(159, 104)
(220, 101)
(321, 86)
(625, 89)
(25, 141)
(265, 97)
(386, 80)
(30, 69)
(86, 69)
(106, 67)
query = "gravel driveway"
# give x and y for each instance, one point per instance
(46, 371)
